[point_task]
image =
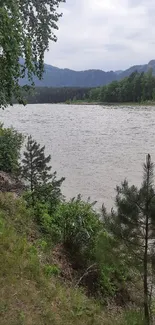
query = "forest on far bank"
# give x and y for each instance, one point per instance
(47, 95)
(137, 88)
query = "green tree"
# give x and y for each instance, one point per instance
(111, 93)
(10, 145)
(49, 194)
(102, 94)
(36, 170)
(35, 167)
(133, 223)
(94, 94)
(137, 87)
(26, 27)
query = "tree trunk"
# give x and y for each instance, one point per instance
(146, 295)
(32, 182)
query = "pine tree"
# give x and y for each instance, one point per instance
(36, 171)
(134, 224)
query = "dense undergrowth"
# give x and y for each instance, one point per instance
(32, 291)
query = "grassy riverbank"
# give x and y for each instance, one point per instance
(33, 290)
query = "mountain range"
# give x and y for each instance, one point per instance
(56, 77)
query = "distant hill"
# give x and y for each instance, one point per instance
(139, 68)
(56, 77)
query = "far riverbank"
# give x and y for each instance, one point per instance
(148, 103)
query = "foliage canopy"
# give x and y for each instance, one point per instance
(138, 87)
(26, 27)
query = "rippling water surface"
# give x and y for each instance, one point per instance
(94, 147)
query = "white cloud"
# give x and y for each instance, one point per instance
(104, 34)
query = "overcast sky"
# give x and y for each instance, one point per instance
(104, 34)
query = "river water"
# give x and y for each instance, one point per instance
(94, 147)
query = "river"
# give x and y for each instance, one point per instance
(94, 147)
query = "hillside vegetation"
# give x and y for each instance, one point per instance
(33, 291)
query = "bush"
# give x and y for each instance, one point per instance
(78, 224)
(74, 223)
(51, 270)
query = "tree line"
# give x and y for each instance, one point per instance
(56, 95)
(138, 87)
(108, 251)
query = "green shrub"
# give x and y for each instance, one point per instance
(51, 270)
(46, 222)
(78, 223)
(42, 244)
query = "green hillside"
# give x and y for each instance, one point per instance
(32, 293)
